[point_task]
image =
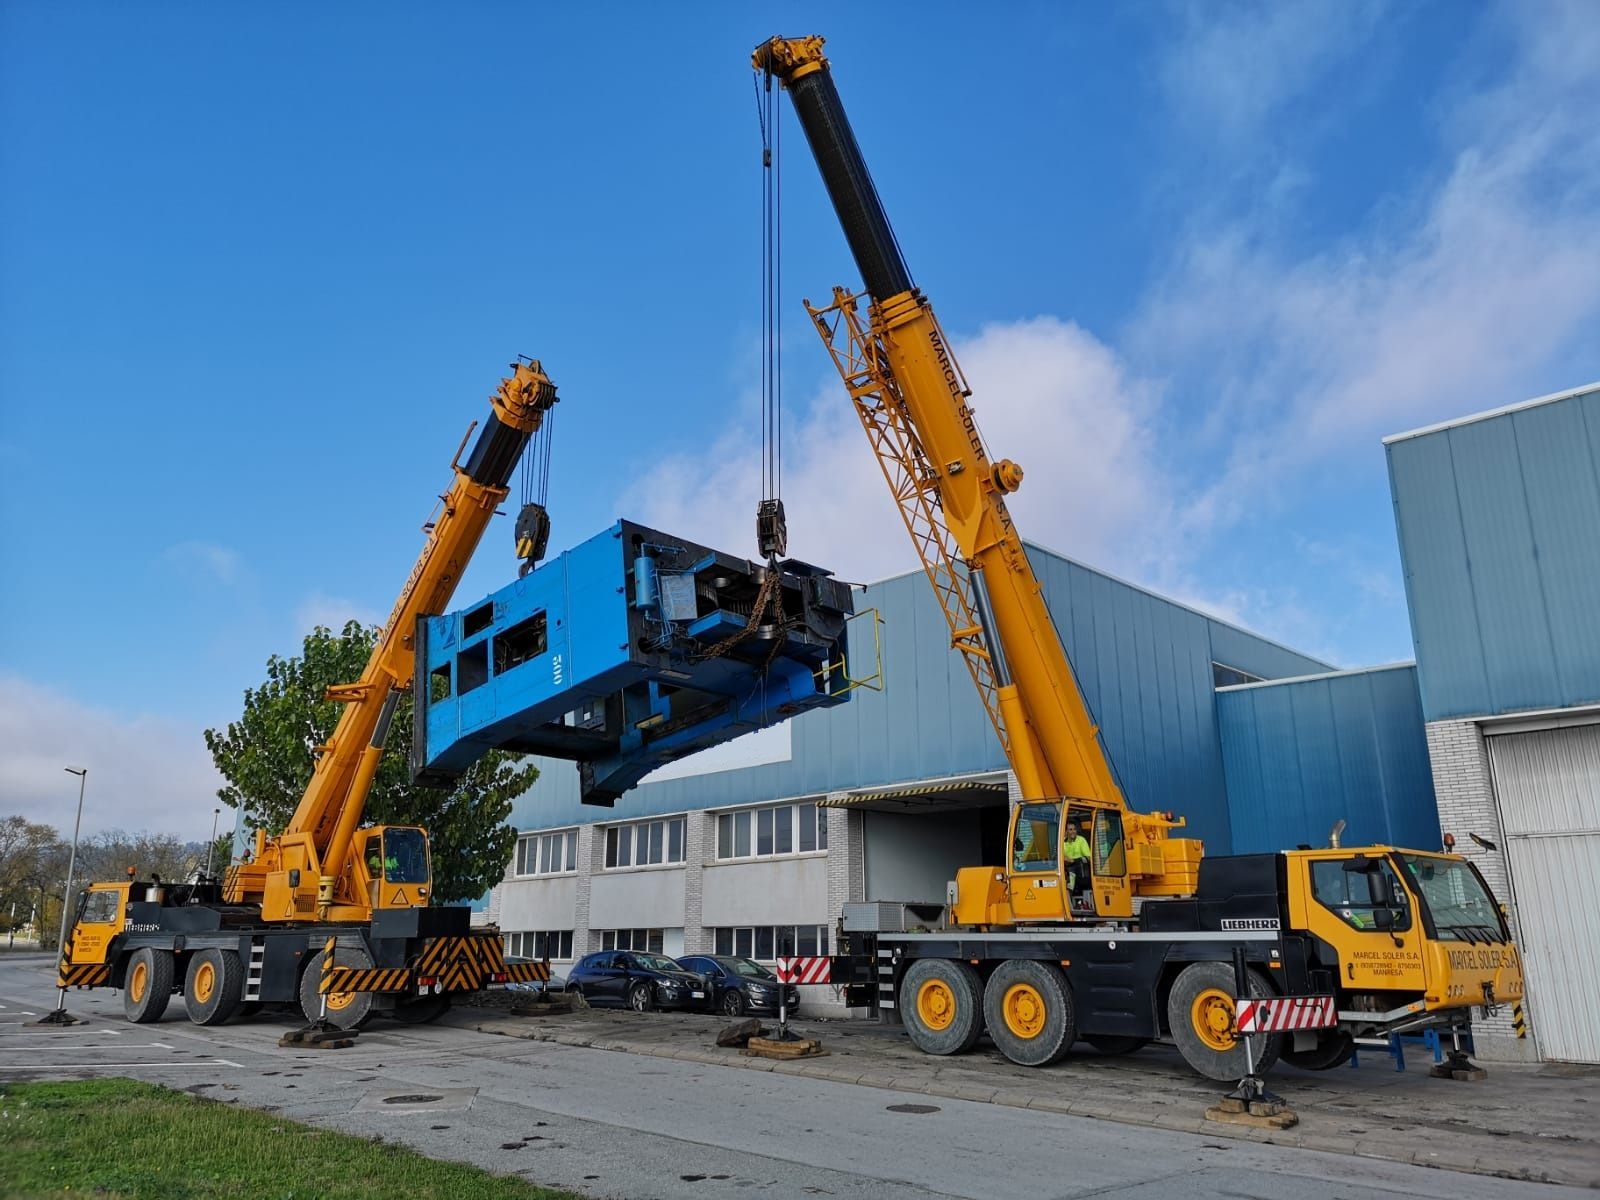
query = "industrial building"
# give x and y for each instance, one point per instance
(1499, 523)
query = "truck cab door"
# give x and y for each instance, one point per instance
(1357, 904)
(100, 916)
(1037, 882)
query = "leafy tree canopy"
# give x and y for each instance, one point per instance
(266, 756)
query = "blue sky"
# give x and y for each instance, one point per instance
(259, 267)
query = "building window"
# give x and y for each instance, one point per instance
(646, 844)
(772, 831)
(764, 943)
(548, 853)
(1226, 676)
(649, 940)
(554, 944)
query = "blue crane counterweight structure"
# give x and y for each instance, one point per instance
(631, 650)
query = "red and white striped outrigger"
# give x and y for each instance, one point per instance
(804, 970)
(1282, 1014)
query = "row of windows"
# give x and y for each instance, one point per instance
(767, 942)
(548, 853)
(766, 832)
(554, 943)
(646, 844)
(650, 940)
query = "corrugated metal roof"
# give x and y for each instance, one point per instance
(1499, 525)
(1301, 754)
(1493, 412)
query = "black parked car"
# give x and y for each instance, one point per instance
(740, 985)
(638, 980)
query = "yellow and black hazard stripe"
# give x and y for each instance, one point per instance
(1519, 1023)
(365, 979)
(531, 972)
(464, 964)
(83, 975)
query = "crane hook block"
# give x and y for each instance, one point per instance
(533, 536)
(772, 529)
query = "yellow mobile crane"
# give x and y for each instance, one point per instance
(1050, 947)
(328, 913)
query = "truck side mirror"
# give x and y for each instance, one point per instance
(1383, 918)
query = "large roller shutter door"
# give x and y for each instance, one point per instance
(1548, 785)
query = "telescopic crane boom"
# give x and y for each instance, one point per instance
(913, 402)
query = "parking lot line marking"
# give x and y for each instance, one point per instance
(162, 1045)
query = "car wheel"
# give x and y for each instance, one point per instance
(213, 986)
(733, 1003)
(1029, 1010)
(640, 999)
(941, 1003)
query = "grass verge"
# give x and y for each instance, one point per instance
(117, 1138)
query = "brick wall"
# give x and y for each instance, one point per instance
(1465, 790)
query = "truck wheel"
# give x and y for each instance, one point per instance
(147, 986)
(213, 985)
(1200, 1014)
(1113, 1044)
(941, 1003)
(1029, 1010)
(345, 1009)
(421, 1010)
(1334, 1049)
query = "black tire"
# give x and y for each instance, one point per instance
(347, 1010)
(421, 1010)
(1335, 1048)
(1115, 1044)
(1204, 990)
(1029, 1009)
(213, 986)
(641, 999)
(941, 1003)
(732, 1003)
(152, 971)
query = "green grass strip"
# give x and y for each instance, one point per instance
(116, 1138)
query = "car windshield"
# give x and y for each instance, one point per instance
(655, 962)
(405, 856)
(750, 970)
(1461, 906)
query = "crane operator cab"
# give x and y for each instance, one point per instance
(393, 866)
(1068, 862)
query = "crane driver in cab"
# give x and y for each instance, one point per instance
(1075, 858)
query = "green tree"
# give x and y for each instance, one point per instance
(266, 757)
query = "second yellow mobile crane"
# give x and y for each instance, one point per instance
(329, 914)
(1145, 938)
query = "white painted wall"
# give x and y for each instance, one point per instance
(537, 903)
(911, 856)
(783, 891)
(650, 899)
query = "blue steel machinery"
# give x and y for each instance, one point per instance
(626, 652)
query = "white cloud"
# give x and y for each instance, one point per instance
(145, 773)
(1451, 299)
(205, 560)
(1229, 68)
(1047, 394)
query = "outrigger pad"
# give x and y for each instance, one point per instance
(319, 1035)
(1459, 1067)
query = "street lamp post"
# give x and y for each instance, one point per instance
(60, 1016)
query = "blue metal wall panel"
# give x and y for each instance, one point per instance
(1499, 525)
(1299, 756)
(1144, 664)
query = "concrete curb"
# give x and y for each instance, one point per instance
(1180, 1120)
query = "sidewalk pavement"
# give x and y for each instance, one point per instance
(1539, 1123)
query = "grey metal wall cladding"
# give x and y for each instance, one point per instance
(1144, 664)
(1499, 524)
(1301, 755)
(1548, 787)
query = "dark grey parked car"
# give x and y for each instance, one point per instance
(638, 980)
(740, 985)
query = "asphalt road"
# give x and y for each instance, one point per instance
(620, 1125)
